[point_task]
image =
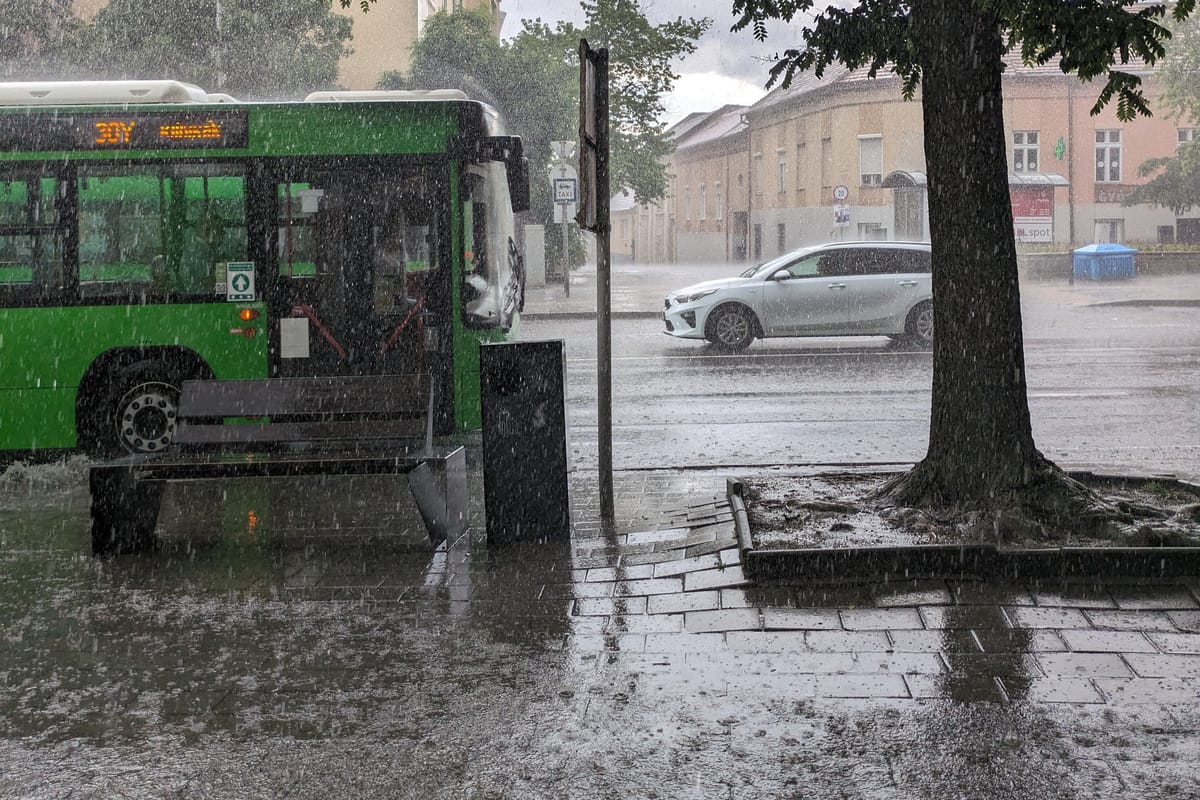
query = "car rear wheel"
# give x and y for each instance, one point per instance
(919, 329)
(731, 327)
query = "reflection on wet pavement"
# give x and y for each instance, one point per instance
(306, 641)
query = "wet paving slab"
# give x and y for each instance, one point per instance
(305, 641)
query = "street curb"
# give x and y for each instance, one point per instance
(591, 315)
(1180, 303)
(958, 560)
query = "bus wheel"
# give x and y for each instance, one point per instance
(141, 410)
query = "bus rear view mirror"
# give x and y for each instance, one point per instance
(516, 167)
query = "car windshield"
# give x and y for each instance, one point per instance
(775, 263)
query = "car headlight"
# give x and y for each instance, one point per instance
(691, 298)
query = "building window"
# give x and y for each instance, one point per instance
(719, 200)
(780, 237)
(1110, 231)
(870, 160)
(756, 176)
(782, 177)
(826, 161)
(872, 232)
(1025, 151)
(687, 203)
(801, 151)
(1108, 156)
(703, 202)
(1186, 135)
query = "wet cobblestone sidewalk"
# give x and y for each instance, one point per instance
(290, 643)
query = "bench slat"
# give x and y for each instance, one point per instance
(397, 395)
(190, 433)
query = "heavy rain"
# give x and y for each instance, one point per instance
(356, 443)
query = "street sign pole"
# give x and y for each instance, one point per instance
(594, 216)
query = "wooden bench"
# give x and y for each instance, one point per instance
(286, 427)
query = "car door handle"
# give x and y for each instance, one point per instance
(837, 286)
(908, 283)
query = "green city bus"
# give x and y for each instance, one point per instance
(151, 233)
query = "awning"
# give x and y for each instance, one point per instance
(902, 178)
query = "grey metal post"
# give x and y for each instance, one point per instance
(566, 259)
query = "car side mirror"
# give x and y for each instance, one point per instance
(782, 275)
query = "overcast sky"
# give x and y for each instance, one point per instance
(726, 67)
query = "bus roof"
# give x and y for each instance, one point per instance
(387, 95)
(78, 93)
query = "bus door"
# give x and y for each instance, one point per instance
(360, 287)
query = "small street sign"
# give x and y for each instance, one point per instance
(239, 281)
(840, 193)
(565, 190)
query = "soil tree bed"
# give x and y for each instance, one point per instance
(834, 526)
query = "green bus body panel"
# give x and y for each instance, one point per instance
(290, 129)
(45, 352)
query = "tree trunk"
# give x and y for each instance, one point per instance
(981, 448)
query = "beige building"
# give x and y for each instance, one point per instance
(382, 37)
(843, 157)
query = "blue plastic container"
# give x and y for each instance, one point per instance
(1103, 262)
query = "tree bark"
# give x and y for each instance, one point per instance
(981, 448)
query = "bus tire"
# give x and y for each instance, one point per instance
(137, 415)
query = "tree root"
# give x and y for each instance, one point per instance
(1043, 505)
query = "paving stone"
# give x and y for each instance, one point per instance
(923, 641)
(846, 641)
(738, 598)
(1020, 640)
(1074, 597)
(654, 537)
(1157, 691)
(715, 579)
(767, 641)
(963, 617)
(599, 643)
(989, 594)
(1089, 641)
(861, 686)
(704, 548)
(648, 558)
(733, 619)
(782, 686)
(685, 601)
(568, 591)
(668, 569)
(1153, 597)
(1063, 690)
(796, 619)
(1020, 665)
(605, 606)
(620, 573)
(1025, 617)
(837, 596)
(684, 642)
(912, 593)
(644, 623)
(875, 619)
(1149, 665)
(1133, 620)
(1083, 665)
(1185, 620)
(730, 556)
(649, 586)
(973, 688)
(1179, 643)
(764, 596)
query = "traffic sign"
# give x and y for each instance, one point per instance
(565, 190)
(239, 281)
(840, 193)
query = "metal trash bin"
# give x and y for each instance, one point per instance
(524, 441)
(1102, 262)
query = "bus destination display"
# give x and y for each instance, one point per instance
(133, 130)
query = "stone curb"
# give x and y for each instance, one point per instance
(591, 315)
(963, 561)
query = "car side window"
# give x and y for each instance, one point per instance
(916, 261)
(835, 263)
(804, 268)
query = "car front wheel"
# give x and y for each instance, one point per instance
(731, 327)
(919, 329)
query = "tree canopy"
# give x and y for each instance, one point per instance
(981, 451)
(533, 80)
(266, 49)
(32, 38)
(1176, 182)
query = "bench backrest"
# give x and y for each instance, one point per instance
(321, 409)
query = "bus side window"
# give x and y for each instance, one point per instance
(31, 252)
(167, 232)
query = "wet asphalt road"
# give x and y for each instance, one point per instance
(300, 640)
(1116, 387)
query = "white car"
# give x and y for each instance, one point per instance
(840, 289)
